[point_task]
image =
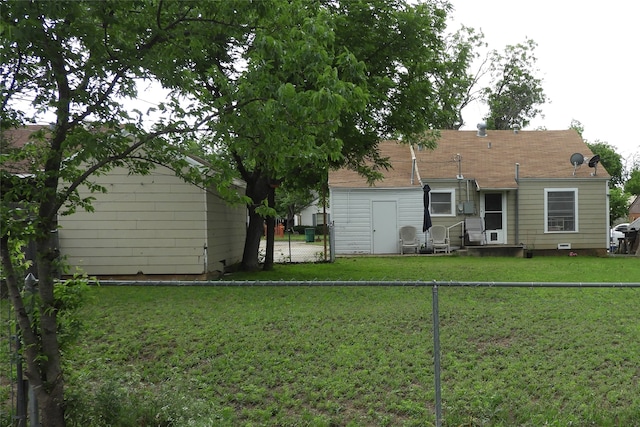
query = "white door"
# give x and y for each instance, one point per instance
(493, 211)
(385, 231)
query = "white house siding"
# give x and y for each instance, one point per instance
(307, 214)
(226, 231)
(352, 215)
(593, 214)
(152, 224)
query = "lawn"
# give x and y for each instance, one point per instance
(363, 356)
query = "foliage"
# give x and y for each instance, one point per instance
(515, 92)
(291, 202)
(618, 205)
(71, 63)
(309, 90)
(610, 160)
(632, 186)
(463, 49)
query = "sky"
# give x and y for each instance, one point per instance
(587, 59)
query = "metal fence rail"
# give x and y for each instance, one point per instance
(398, 283)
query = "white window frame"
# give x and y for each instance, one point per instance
(452, 201)
(575, 209)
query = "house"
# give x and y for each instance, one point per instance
(533, 189)
(313, 214)
(634, 209)
(152, 224)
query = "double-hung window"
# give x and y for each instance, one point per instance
(560, 210)
(442, 202)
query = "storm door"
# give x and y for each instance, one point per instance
(493, 209)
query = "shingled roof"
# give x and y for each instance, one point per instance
(490, 161)
(16, 139)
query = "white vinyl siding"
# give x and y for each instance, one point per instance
(351, 215)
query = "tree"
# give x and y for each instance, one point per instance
(618, 204)
(462, 50)
(610, 160)
(515, 92)
(311, 91)
(73, 60)
(632, 186)
(291, 201)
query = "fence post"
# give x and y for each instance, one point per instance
(436, 356)
(30, 288)
(21, 385)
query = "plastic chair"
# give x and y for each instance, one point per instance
(439, 239)
(474, 231)
(409, 239)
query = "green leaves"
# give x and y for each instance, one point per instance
(516, 91)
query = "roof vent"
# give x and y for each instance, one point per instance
(482, 129)
(516, 128)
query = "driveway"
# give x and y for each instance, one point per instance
(295, 251)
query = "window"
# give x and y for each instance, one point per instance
(442, 203)
(561, 209)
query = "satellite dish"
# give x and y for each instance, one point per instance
(593, 163)
(576, 160)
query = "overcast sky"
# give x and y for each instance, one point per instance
(587, 57)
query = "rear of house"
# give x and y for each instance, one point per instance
(522, 185)
(153, 224)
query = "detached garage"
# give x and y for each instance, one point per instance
(153, 224)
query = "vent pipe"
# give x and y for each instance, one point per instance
(482, 129)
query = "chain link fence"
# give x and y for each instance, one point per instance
(311, 245)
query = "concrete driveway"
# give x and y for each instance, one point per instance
(295, 251)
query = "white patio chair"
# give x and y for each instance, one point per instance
(439, 239)
(409, 239)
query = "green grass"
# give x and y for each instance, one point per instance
(454, 268)
(363, 356)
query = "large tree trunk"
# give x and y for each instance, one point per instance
(257, 190)
(41, 351)
(252, 241)
(51, 397)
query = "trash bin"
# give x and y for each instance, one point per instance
(310, 235)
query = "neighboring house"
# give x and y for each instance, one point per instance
(313, 215)
(634, 209)
(153, 224)
(522, 184)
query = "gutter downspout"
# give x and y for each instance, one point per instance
(517, 213)
(413, 164)
(205, 249)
